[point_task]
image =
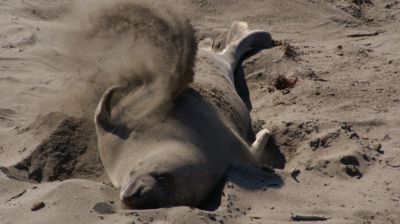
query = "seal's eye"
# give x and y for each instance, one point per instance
(162, 178)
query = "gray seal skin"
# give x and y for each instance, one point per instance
(180, 160)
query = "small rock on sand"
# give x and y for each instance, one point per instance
(103, 208)
(38, 206)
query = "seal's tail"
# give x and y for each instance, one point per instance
(149, 53)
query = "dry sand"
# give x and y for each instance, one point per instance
(329, 92)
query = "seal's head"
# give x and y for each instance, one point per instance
(168, 175)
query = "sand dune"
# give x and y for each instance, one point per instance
(328, 92)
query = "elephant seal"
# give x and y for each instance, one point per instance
(180, 159)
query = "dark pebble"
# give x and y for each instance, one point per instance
(38, 206)
(103, 208)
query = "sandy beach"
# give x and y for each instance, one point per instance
(328, 91)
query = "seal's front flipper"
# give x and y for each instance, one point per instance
(258, 145)
(102, 117)
(243, 42)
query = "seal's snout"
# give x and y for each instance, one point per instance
(142, 192)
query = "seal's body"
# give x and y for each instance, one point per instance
(181, 159)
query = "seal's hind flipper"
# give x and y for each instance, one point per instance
(240, 44)
(243, 42)
(238, 30)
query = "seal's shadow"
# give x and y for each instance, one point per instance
(272, 155)
(243, 176)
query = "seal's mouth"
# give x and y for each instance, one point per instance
(143, 202)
